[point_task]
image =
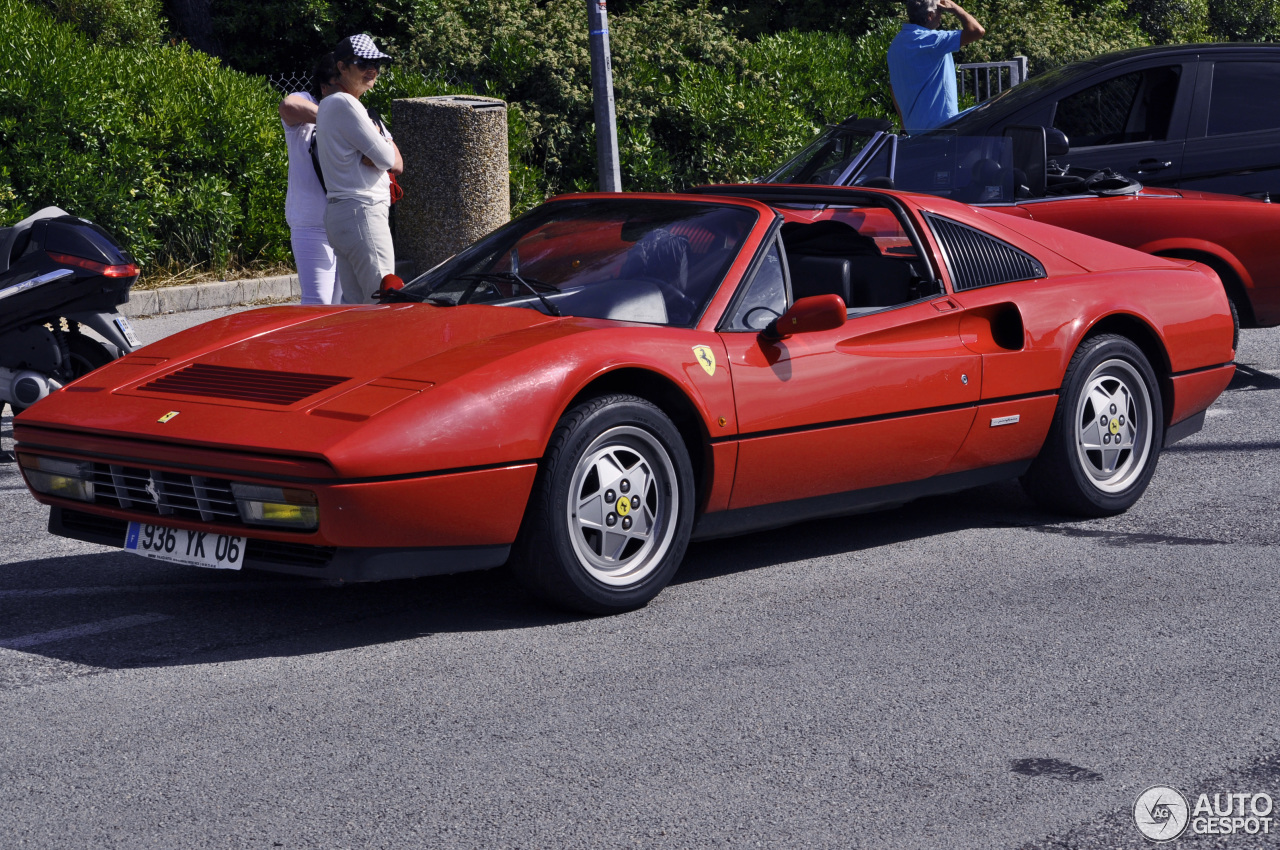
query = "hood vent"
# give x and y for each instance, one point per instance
(256, 385)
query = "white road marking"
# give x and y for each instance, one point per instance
(84, 630)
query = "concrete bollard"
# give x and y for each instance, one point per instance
(456, 180)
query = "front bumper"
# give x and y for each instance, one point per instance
(347, 564)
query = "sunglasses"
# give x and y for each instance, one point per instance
(365, 64)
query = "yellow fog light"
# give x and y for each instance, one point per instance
(261, 505)
(68, 479)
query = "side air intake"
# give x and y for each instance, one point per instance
(977, 259)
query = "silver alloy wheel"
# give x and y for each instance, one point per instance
(622, 502)
(1113, 425)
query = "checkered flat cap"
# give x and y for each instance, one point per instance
(358, 45)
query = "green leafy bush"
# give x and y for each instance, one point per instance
(1050, 33)
(695, 103)
(112, 21)
(180, 158)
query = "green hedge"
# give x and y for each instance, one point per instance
(182, 159)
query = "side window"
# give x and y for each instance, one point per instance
(1134, 107)
(766, 296)
(1245, 97)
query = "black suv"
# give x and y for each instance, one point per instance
(1200, 116)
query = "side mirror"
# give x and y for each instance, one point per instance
(807, 315)
(1056, 142)
(390, 283)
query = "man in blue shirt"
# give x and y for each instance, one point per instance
(921, 71)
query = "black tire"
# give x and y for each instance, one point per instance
(87, 354)
(1235, 323)
(580, 549)
(1080, 470)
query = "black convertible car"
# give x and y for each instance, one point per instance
(1203, 117)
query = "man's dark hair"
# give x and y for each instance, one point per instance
(324, 73)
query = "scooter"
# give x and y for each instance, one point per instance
(59, 274)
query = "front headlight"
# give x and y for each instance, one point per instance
(68, 479)
(262, 505)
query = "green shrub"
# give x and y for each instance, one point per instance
(181, 159)
(112, 22)
(695, 103)
(1049, 33)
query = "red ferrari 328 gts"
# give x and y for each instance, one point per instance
(608, 376)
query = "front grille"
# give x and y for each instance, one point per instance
(175, 494)
(260, 385)
(977, 259)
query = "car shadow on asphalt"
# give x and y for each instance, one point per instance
(1249, 378)
(1000, 505)
(117, 611)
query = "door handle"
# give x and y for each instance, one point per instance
(945, 305)
(1151, 166)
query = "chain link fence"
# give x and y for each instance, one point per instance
(290, 82)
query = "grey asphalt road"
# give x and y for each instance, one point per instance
(961, 672)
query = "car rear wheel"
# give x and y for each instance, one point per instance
(1106, 434)
(610, 514)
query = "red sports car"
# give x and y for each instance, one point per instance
(608, 376)
(1013, 174)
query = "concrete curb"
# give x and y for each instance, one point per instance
(203, 296)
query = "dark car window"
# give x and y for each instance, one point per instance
(1134, 107)
(1245, 98)
(765, 298)
(629, 259)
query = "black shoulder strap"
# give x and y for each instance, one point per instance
(315, 162)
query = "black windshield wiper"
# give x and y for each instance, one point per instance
(530, 284)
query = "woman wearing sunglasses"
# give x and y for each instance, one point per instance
(355, 157)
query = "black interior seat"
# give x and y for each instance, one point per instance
(879, 282)
(820, 276)
(828, 238)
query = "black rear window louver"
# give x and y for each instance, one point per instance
(978, 259)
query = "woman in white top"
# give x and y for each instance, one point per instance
(355, 157)
(305, 198)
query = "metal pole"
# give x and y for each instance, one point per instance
(602, 96)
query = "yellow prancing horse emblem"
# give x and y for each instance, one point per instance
(167, 416)
(623, 507)
(706, 358)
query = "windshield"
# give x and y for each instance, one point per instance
(651, 261)
(971, 169)
(826, 158)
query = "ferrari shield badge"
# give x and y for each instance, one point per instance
(706, 358)
(167, 416)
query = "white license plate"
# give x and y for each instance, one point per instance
(122, 322)
(195, 548)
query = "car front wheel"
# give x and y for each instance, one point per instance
(610, 514)
(1106, 434)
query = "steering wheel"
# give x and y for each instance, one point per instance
(754, 323)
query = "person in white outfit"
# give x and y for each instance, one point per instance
(355, 155)
(305, 198)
